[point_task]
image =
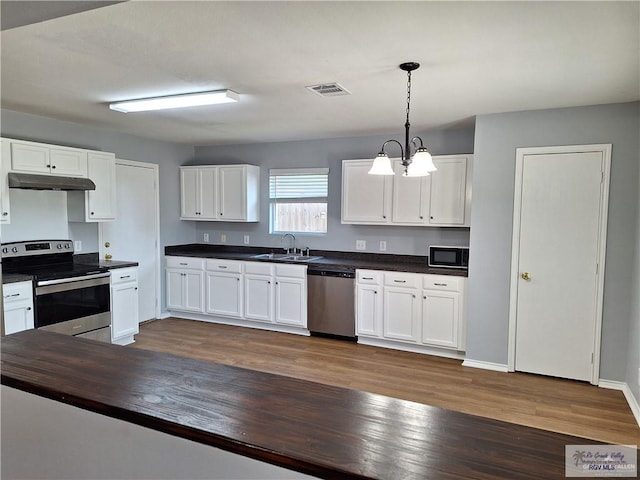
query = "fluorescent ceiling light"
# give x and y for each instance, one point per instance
(176, 101)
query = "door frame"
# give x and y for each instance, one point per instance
(605, 150)
(156, 179)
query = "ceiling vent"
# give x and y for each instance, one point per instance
(329, 90)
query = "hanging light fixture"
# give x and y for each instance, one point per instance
(420, 163)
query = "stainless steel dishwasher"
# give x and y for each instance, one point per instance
(331, 302)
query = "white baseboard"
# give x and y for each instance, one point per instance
(628, 394)
(496, 367)
(164, 315)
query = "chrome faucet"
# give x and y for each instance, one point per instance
(292, 243)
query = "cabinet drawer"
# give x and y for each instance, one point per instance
(258, 268)
(228, 266)
(370, 277)
(293, 271)
(395, 279)
(124, 275)
(17, 292)
(442, 282)
(185, 262)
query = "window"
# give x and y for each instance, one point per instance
(298, 200)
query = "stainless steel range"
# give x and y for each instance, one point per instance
(69, 298)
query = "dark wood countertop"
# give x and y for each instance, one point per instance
(347, 261)
(326, 431)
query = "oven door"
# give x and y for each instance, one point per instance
(73, 306)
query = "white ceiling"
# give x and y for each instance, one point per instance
(477, 58)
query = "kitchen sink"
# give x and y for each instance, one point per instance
(272, 256)
(284, 256)
(299, 258)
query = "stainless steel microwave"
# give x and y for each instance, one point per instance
(448, 256)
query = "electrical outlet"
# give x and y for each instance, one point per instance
(246, 239)
(361, 245)
(383, 245)
(77, 246)
(223, 238)
(206, 237)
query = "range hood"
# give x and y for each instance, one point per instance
(27, 181)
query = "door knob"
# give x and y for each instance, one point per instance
(525, 276)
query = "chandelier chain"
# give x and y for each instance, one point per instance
(408, 94)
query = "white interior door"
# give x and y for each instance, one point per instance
(558, 261)
(134, 234)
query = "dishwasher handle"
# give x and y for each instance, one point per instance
(332, 273)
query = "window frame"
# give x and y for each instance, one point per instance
(275, 200)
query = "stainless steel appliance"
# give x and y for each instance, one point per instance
(331, 302)
(69, 298)
(448, 256)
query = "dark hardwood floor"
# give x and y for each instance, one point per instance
(562, 406)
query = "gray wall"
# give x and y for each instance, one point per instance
(633, 357)
(497, 137)
(330, 153)
(168, 156)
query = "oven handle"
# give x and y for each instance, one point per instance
(73, 283)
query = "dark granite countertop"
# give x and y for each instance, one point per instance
(342, 261)
(15, 277)
(94, 260)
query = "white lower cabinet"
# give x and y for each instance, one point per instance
(259, 291)
(418, 311)
(124, 305)
(224, 291)
(18, 307)
(369, 303)
(185, 284)
(291, 295)
(240, 293)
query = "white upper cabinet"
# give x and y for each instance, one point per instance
(366, 198)
(442, 199)
(32, 157)
(227, 193)
(5, 165)
(97, 205)
(410, 203)
(450, 191)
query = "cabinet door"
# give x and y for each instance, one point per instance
(101, 202)
(401, 314)
(175, 290)
(208, 193)
(29, 158)
(369, 310)
(193, 290)
(258, 297)
(291, 304)
(232, 193)
(69, 162)
(124, 310)
(410, 198)
(224, 294)
(440, 318)
(18, 316)
(448, 191)
(5, 166)
(189, 195)
(366, 198)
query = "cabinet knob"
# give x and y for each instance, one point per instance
(526, 276)
(431, 217)
(424, 297)
(136, 288)
(92, 213)
(48, 166)
(53, 166)
(28, 308)
(421, 217)
(4, 214)
(384, 216)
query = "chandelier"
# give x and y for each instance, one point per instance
(420, 163)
